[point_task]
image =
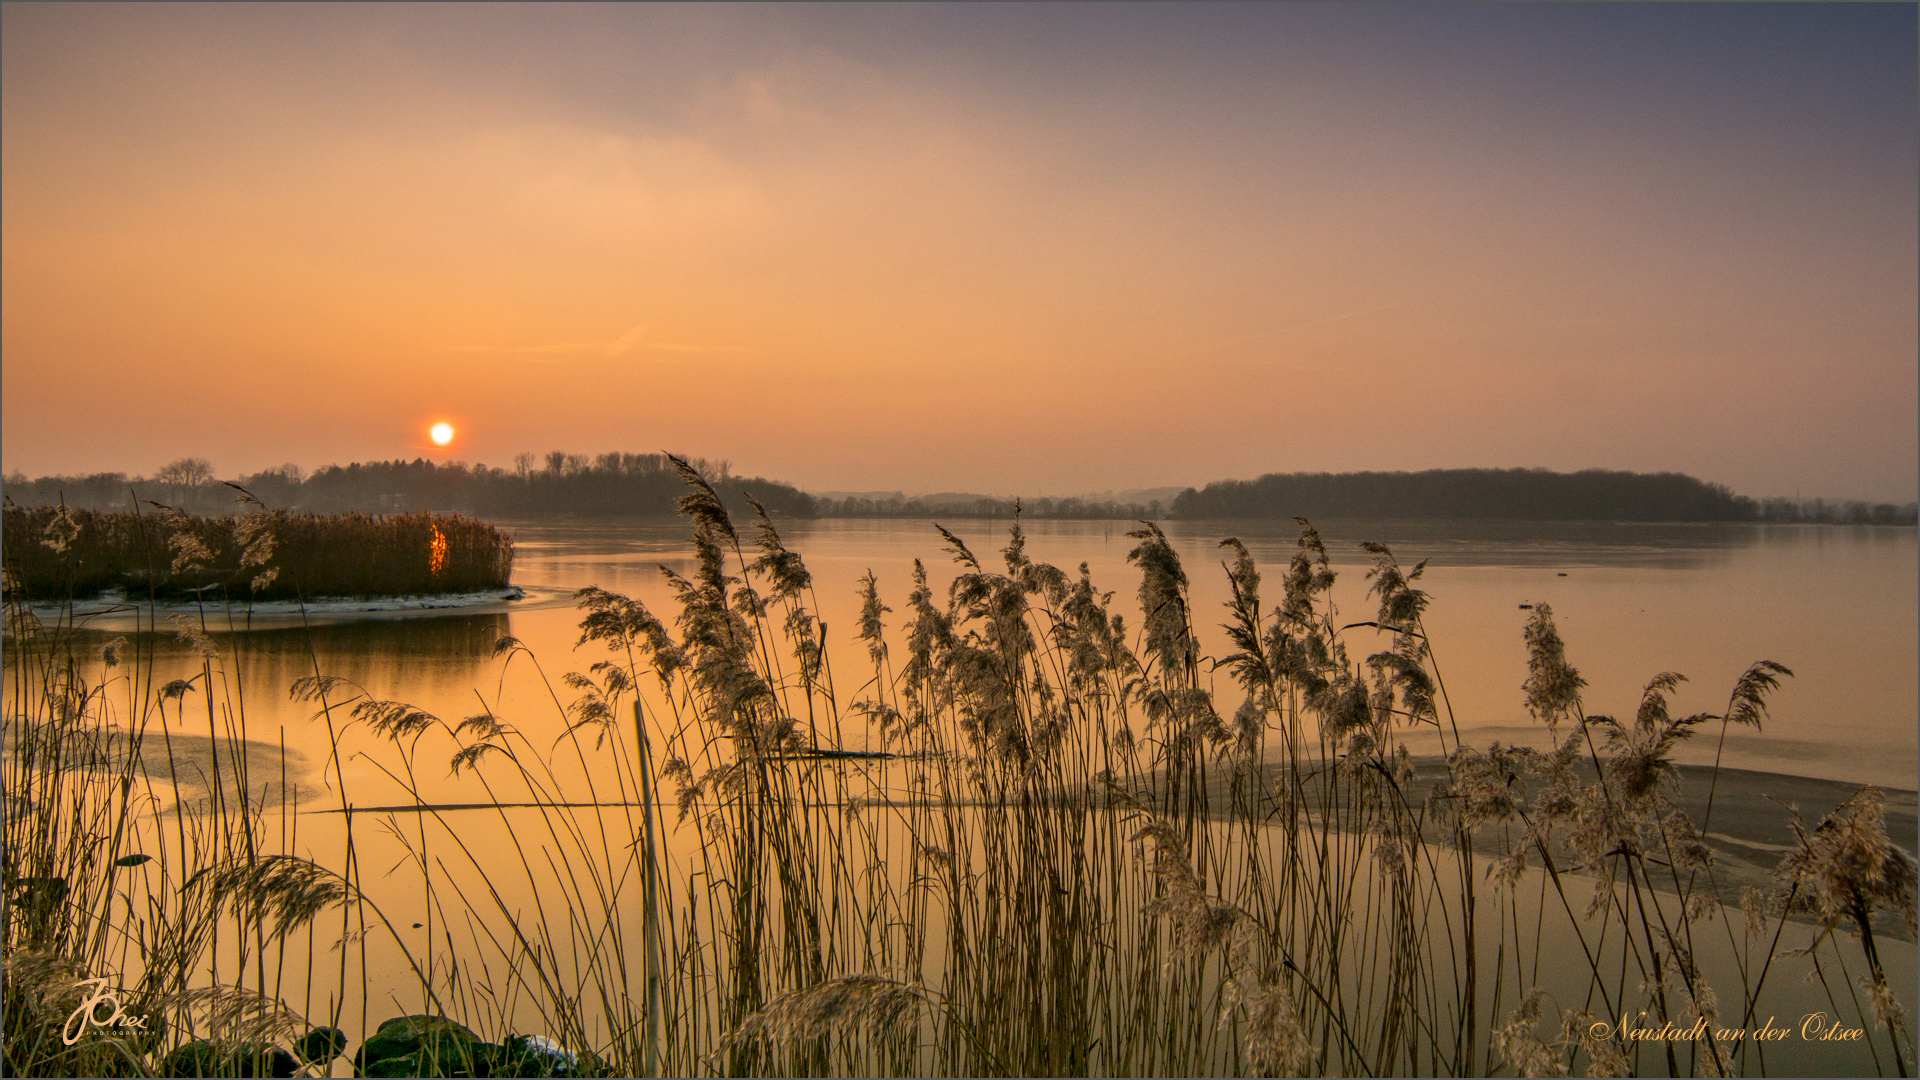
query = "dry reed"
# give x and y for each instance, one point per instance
(1042, 843)
(58, 554)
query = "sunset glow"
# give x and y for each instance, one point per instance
(1092, 246)
(969, 539)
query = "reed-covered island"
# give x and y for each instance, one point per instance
(59, 553)
(1029, 831)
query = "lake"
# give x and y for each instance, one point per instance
(1835, 604)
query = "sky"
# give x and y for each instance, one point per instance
(1008, 249)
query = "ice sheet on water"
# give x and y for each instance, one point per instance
(114, 602)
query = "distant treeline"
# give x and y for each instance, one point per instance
(572, 485)
(560, 485)
(564, 485)
(1513, 494)
(1849, 512)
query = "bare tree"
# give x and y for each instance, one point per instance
(189, 472)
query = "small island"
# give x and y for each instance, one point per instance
(63, 554)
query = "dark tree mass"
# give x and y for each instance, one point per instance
(612, 485)
(560, 485)
(1512, 494)
(567, 485)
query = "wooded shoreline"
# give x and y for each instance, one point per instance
(571, 486)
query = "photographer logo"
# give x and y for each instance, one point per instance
(89, 1013)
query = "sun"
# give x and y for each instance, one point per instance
(442, 433)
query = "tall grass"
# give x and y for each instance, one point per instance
(58, 553)
(139, 852)
(1021, 835)
(1034, 840)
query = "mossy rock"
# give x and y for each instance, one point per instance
(321, 1045)
(423, 1046)
(207, 1057)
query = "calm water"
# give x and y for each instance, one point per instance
(1837, 605)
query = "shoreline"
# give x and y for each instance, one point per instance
(112, 610)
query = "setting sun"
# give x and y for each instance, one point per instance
(768, 323)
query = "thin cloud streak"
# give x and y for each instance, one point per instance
(629, 342)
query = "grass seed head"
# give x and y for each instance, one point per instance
(61, 532)
(188, 629)
(830, 1008)
(1748, 704)
(1552, 686)
(1846, 867)
(1517, 1042)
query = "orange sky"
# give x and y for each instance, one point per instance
(1032, 250)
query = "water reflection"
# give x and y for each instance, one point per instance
(436, 661)
(1834, 603)
(435, 646)
(1523, 543)
(545, 549)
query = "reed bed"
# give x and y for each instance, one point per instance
(149, 911)
(1023, 835)
(1036, 840)
(58, 553)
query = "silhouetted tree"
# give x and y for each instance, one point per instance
(1472, 494)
